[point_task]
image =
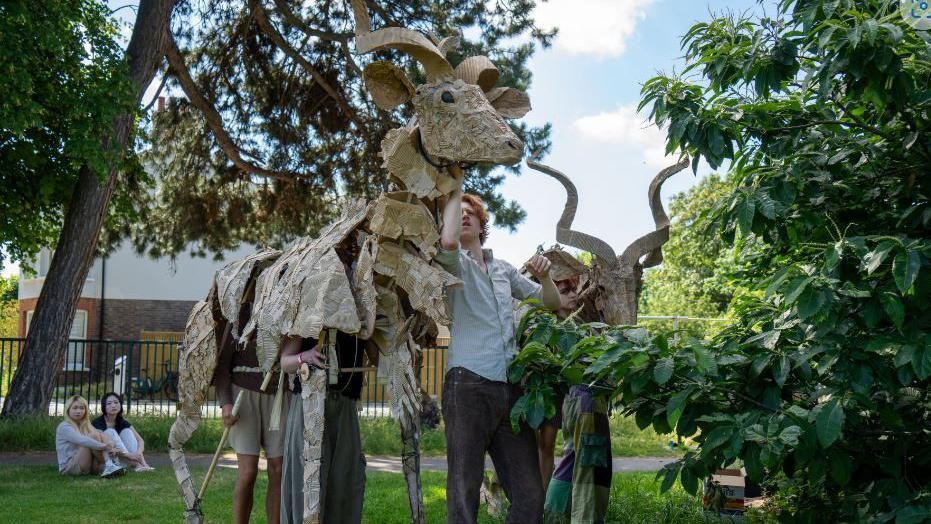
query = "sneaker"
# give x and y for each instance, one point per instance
(112, 469)
(140, 469)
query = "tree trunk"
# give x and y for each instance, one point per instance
(44, 351)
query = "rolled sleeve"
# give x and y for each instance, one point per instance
(522, 287)
(448, 260)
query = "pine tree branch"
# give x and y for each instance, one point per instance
(213, 118)
(261, 18)
(291, 18)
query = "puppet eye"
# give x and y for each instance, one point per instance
(447, 97)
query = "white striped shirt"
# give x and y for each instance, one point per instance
(482, 329)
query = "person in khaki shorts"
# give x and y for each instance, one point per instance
(237, 370)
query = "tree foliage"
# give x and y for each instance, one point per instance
(821, 385)
(698, 270)
(9, 306)
(62, 80)
(274, 124)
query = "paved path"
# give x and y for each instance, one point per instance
(375, 462)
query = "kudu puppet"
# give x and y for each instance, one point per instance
(610, 288)
(368, 273)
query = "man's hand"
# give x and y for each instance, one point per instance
(539, 267)
(314, 358)
(228, 418)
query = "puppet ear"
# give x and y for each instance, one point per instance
(509, 102)
(387, 84)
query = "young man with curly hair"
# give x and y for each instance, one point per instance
(477, 398)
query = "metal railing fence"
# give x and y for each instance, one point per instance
(145, 373)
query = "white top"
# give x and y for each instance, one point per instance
(482, 329)
(68, 440)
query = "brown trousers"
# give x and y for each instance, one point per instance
(476, 412)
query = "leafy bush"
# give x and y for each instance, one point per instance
(821, 386)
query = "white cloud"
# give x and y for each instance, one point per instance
(627, 127)
(598, 27)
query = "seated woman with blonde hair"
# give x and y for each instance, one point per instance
(82, 450)
(127, 441)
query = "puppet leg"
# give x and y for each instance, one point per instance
(198, 361)
(403, 386)
(313, 396)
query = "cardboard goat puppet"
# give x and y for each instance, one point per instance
(609, 289)
(369, 272)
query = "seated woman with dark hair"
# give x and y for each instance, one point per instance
(127, 441)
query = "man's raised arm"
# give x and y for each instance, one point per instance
(452, 215)
(539, 267)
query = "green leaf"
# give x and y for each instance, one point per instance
(536, 412)
(810, 302)
(767, 206)
(565, 340)
(921, 362)
(781, 370)
(875, 258)
(796, 286)
(759, 364)
(663, 370)
(905, 269)
(716, 437)
(862, 379)
(755, 434)
(838, 156)
(669, 472)
(893, 307)
(767, 339)
(829, 422)
(676, 405)
(704, 361)
(904, 355)
(790, 435)
(519, 411)
(853, 36)
(689, 481)
(777, 281)
(751, 458)
(643, 418)
(840, 466)
(573, 374)
(850, 290)
(745, 216)
(515, 373)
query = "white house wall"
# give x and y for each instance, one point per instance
(134, 277)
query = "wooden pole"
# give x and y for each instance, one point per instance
(226, 433)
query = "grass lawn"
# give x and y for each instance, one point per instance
(380, 436)
(39, 494)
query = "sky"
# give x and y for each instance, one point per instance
(587, 86)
